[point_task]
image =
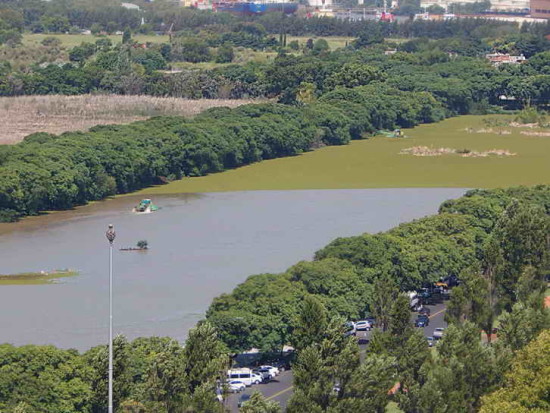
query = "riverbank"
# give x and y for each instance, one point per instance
(378, 163)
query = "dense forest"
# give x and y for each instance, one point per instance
(496, 241)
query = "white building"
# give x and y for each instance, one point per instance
(130, 6)
(320, 3)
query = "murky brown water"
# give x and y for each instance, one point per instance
(200, 246)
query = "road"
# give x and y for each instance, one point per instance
(280, 389)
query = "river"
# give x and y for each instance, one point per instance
(201, 245)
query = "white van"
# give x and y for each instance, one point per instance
(245, 375)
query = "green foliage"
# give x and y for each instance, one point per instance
(531, 115)
(463, 370)
(258, 404)
(190, 50)
(225, 54)
(150, 374)
(43, 378)
(126, 36)
(311, 324)
(354, 74)
(527, 383)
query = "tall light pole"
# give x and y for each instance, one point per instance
(110, 234)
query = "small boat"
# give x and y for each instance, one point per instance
(145, 206)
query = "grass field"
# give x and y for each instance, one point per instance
(71, 40)
(377, 163)
(334, 42)
(23, 115)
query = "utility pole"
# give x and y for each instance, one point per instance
(110, 234)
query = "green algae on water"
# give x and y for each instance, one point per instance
(36, 278)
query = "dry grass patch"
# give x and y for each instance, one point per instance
(23, 115)
(466, 153)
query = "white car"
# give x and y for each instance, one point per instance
(236, 386)
(438, 333)
(257, 378)
(273, 370)
(363, 325)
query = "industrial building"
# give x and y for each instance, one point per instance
(540, 8)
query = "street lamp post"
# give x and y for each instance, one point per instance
(110, 234)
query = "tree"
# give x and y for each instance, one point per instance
(225, 54)
(97, 358)
(191, 50)
(527, 383)
(324, 370)
(43, 379)
(258, 404)
(464, 364)
(354, 74)
(435, 9)
(384, 295)
(311, 323)
(370, 35)
(126, 36)
(522, 238)
(320, 47)
(521, 325)
(142, 244)
(164, 380)
(306, 93)
(81, 53)
(205, 360)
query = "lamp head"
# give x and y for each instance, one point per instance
(110, 234)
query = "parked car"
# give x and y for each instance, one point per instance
(422, 321)
(266, 374)
(242, 374)
(257, 378)
(236, 386)
(350, 328)
(274, 370)
(243, 399)
(438, 333)
(363, 325)
(430, 341)
(424, 311)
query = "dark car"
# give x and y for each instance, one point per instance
(243, 399)
(424, 311)
(422, 321)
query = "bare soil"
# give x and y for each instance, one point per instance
(20, 116)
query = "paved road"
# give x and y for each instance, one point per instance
(280, 389)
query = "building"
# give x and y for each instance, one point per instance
(130, 6)
(496, 5)
(498, 59)
(540, 8)
(320, 3)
